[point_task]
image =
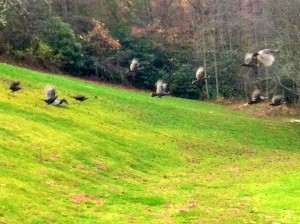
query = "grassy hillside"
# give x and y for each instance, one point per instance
(124, 157)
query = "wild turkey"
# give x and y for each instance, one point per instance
(264, 56)
(277, 100)
(199, 75)
(250, 61)
(80, 97)
(50, 94)
(133, 65)
(160, 89)
(59, 101)
(14, 86)
(295, 120)
(131, 73)
(256, 97)
(52, 98)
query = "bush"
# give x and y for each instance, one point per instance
(61, 38)
(45, 57)
(153, 62)
(40, 55)
(180, 83)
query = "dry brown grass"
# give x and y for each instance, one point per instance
(263, 109)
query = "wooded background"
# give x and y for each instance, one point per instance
(170, 38)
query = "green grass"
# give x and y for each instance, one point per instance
(124, 157)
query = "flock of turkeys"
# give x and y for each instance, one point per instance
(51, 97)
(266, 58)
(252, 61)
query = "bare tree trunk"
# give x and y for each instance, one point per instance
(199, 10)
(204, 62)
(267, 82)
(246, 89)
(204, 50)
(216, 71)
(64, 9)
(215, 52)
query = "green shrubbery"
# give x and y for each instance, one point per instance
(85, 47)
(153, 61)
(61, 39)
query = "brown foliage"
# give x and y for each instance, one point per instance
(100, 39)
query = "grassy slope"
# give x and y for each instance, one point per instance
(125, 157)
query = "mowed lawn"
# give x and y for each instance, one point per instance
(124, 157)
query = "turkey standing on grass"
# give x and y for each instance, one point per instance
(160, 89)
